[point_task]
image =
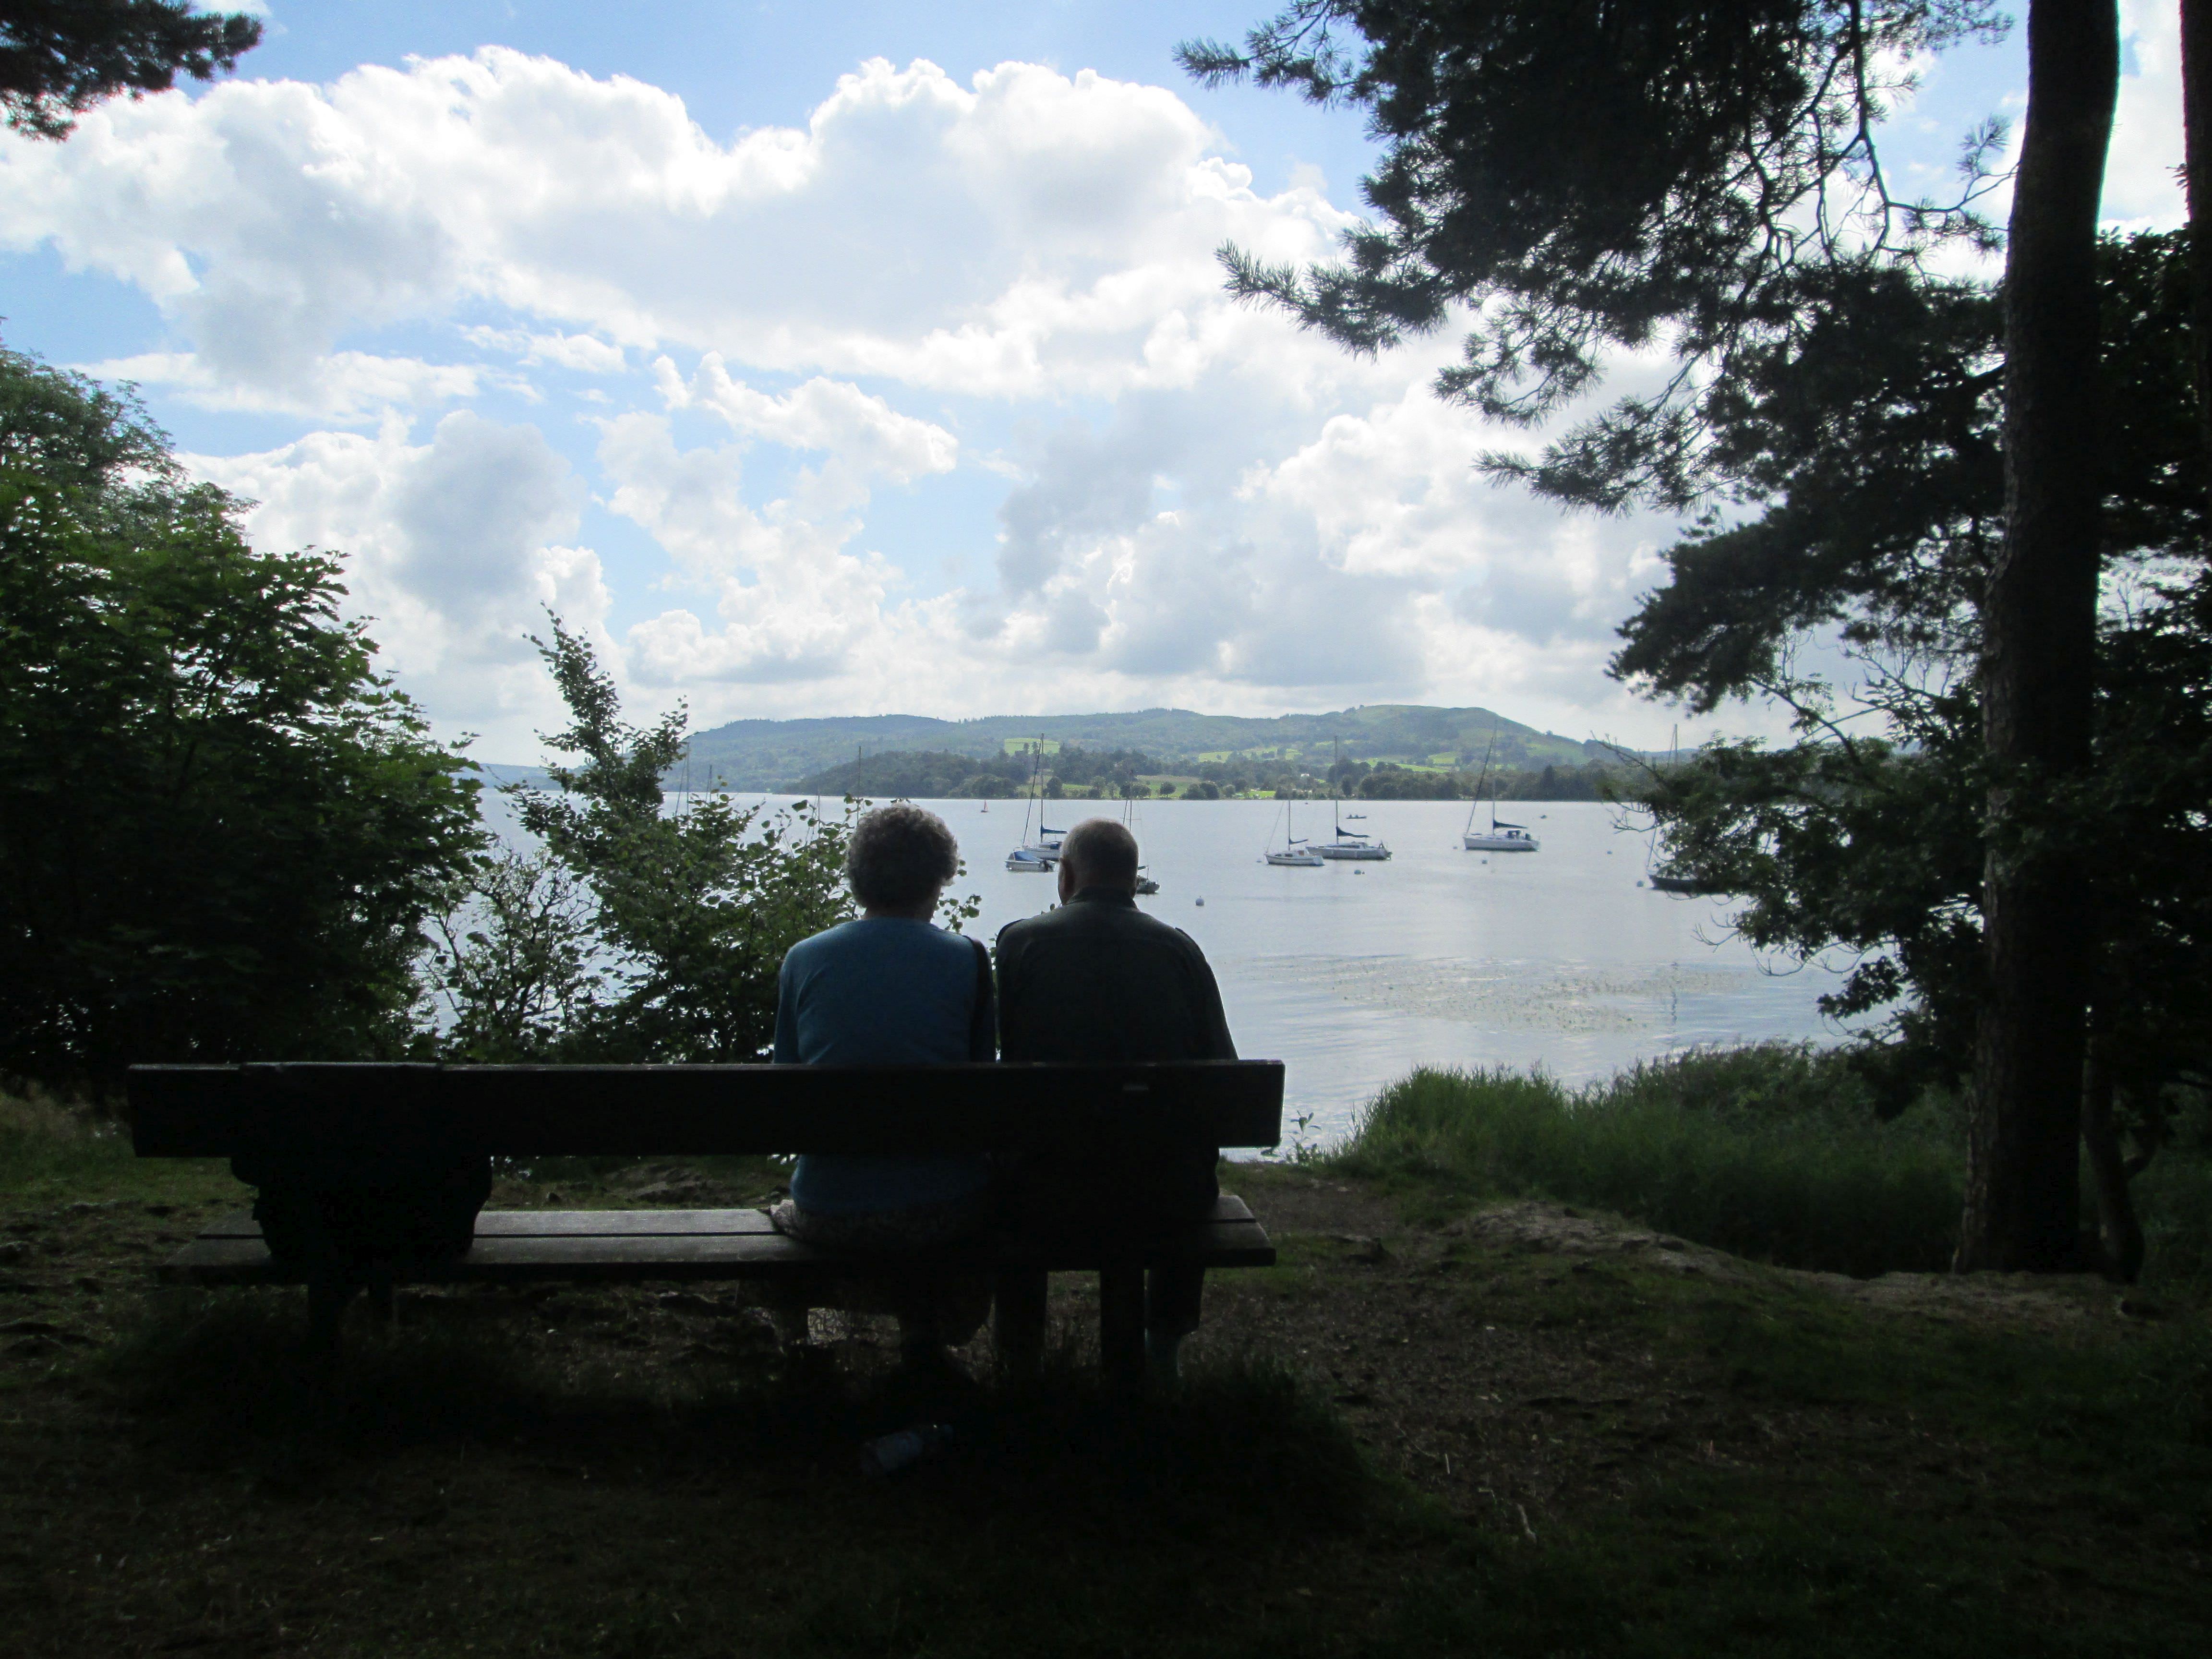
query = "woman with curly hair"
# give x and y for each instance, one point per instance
(893, 988)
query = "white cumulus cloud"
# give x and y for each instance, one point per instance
(795, 351)
(453, 548)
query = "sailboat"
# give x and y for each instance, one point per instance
(1037, 857)
(1661, 880)
(1500, 837)
(1296, 855)
(1352, 844)
(1145, 885)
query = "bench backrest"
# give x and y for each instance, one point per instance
(548, 1111)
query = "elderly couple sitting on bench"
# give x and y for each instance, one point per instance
(1094, 980)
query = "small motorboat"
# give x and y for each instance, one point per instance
(1681, 884)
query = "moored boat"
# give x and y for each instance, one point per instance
(1500, 837)
(1296, 855)
(1044, 852)
(1352, 844)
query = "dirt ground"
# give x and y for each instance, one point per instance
(1531, 1412)
(1493, 1409)
(1525, 1365)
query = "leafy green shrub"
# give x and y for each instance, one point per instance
(41, 1137)
(1772, 1152)
(2173, 1198)
(220, 826)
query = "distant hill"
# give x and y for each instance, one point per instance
(778, 754)
(498, 777)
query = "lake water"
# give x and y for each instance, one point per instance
(1356, 972)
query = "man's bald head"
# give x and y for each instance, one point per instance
(1098, 853)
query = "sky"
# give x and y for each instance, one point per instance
(843, 359)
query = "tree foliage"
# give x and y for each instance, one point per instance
(694, 909)
(59, 57)
(1886, 506)
(512, 974)
(641, 933)
(944, 775)
(1574, 178)
(219, 826)
(1716, 158)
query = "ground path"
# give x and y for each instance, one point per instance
(1597, 1396)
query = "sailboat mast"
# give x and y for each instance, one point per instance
(1475, 805)
(1029, 802)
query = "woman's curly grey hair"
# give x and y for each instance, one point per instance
(899, 856)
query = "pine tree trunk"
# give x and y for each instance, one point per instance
(2038, 659)
(2196, 170)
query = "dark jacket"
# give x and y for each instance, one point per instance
(1099, 980)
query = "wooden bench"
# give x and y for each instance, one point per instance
(1126, 1116)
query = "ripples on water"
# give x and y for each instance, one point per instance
(1354, 973)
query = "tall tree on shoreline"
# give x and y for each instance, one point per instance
(220, 826)
(1567, 179)
(2038, 664)
(1877, 441)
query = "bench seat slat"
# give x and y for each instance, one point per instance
(627, 1258)
(565, 1223)
(623, 1224)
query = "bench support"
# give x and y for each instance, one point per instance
(1018, 1320)
(1122, 1323)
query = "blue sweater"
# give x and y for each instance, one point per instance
(883, 993)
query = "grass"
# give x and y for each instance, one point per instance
(1771, 1152)
(1408, 1440)
(45, 1141)
(1877, 1489)
(447, 1492)
(1930, 1481)
(1242, 1442)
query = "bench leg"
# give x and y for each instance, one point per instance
(1017, 1318)
(1121, 1324)
(1173, 1294)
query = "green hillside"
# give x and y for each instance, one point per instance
(777, 754)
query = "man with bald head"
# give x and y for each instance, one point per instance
(1097, 979)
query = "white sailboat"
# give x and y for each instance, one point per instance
(1500, 837)
(1131, 821)
(1352, 844)
(1039, 856)
(1296, 855)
